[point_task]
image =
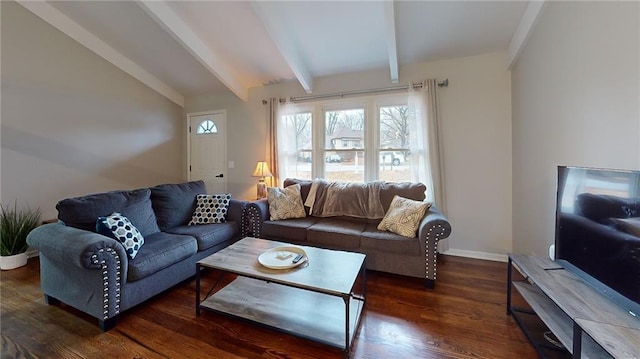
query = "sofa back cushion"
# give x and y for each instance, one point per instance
(174, 204)
(411, 190)
(600, 208)
(83, 212)
(305, 186)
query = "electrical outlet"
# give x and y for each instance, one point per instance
(231, 164)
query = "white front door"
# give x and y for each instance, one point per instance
(207, 150)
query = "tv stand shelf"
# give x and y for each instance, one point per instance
(569, 307)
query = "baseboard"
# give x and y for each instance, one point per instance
(477, 255)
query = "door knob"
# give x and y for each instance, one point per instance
(220, 175)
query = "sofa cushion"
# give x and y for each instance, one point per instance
(305, 186)
(82, 212)
(375, 239)
(410, 190)
(120, 228)
(345, 199)
(208, 235)
(404, 216)
(336, 233)
(600, 208)
(160, 251)
(290, 230)
(285, 203)
(210, 208)
(174, 204)
(141, 215)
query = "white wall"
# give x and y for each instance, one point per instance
(576, 89)
(476, 120)
(476, 114)
(74, 124)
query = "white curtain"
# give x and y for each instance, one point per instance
(425, 143)
(272, 154)
(287, 153)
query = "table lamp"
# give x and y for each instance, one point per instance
(262, 171)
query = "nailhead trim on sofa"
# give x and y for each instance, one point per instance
(105, 280)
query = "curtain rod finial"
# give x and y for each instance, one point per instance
(444, 83)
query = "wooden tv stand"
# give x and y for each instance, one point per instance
(569, 307)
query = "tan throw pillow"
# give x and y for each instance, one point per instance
(285, 203)
(404, 216)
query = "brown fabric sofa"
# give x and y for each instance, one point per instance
(386, 251)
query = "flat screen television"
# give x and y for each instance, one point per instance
(598, 230)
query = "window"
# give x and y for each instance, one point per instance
(356, 140)
(344, 150)
(206, 127)
(394, 154)
(299, 139)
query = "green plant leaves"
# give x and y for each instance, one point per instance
(15, 225)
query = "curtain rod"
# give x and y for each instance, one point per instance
(443, 83)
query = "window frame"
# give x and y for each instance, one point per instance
(207, 130)
(371, 106)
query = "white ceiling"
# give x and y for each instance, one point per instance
(186, 48)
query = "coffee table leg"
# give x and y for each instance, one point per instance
(197, 289)
(364, 283)
(347, 347)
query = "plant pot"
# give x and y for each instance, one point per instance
(13, 262)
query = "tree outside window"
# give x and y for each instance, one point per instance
(301, 126)
(395, 160)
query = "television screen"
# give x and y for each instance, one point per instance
(598, 230)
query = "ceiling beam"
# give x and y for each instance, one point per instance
(521, 35)
(281, 37)
(72, 29)
(390, 33)
(162, 13)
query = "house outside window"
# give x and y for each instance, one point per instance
(344, 126)
(394, 155)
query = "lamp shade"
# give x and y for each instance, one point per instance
(262, 170)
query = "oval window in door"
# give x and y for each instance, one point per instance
(207, 127)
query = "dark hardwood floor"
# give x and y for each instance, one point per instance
(464, 317)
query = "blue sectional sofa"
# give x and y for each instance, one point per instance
(93, 273)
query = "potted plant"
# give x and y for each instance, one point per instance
(15, 225)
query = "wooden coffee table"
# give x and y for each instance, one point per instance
(316, 300)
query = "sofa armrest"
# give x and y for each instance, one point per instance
(236, 210)
(256, 213)
(83, 269)
(62, 243)
(237, 213)
(433, 227)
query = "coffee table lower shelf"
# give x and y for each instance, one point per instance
(304, 313)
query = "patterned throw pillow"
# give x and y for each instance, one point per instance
(285, 203)
(211, 208)
(120, 228)
(404, 216)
